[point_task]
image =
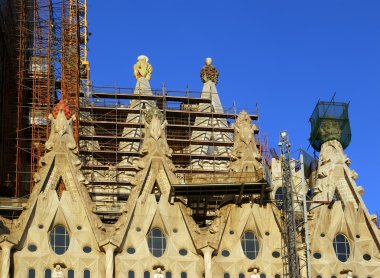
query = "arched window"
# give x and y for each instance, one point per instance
(131, 274)
(341, 247)
(31, 273)
(277, 276)
(59, 239)
(70, 273)
(86, 274)
(47, 273)
(250, 245)
(168, 274)
(146, 274)
(156, 242)
(226, 275)
(241, 275)
(183, 275)
(279, 197)
(263, 275)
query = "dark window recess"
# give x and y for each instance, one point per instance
(86, 274)
(250, 245)
(47, 273)
(183, 275)
(225, 253)
(156, 242)
(317, 255)
(87, 249)
(32, 247)
(183, 252)
(31, 273)
(168, 274)
(146, 274)
(367, 257)
(131, 250)
(276, 254)
(341, 247)
(131, 274)
(59, 239)
(70, 273)
(226, 275)
(279, 197)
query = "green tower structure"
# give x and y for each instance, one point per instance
(330, 121)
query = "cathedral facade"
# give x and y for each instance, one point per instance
(158, 233)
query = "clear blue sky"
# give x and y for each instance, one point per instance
(283, 55)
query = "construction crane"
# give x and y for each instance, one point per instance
(291, 261)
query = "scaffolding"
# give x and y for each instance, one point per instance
(108, 161)
(289, 233)
(51, 48)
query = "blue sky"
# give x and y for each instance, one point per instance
(283, 55)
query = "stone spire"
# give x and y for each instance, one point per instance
(155, 154)
(209, 76)
(245, 155)
(142, 71)
(334, 177)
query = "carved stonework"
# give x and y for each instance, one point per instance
(142, 68)
(61, 133)
(57, 273)
(154, 145)
(209, 72)
(331, 177)
(329, 130)
(245, 155)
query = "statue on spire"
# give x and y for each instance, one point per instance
(209, 72)
(142, 68)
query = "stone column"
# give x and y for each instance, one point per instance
(109, 248)
(6, 247)
(207, 255)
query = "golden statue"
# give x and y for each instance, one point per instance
(142, 68)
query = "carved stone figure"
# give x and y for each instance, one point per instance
(61, 135)
(329, 130)
(209, 72)
(245, 155)
(255, 273)
(155, 142)
(57, 273)
(142, 68)
(61, 127)
(349, 274)
(158, 273)
(154, 148)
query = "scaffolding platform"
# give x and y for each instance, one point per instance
(111, 133)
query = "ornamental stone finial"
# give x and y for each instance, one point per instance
(142, 68)
(209, 72)
(245, 155)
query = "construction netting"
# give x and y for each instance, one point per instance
(330, 121)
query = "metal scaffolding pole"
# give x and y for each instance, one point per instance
(306, 225)
(291, 261)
